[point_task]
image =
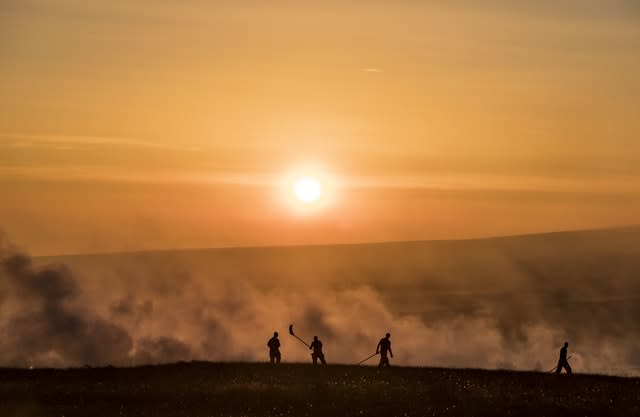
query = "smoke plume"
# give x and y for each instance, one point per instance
(495, 303)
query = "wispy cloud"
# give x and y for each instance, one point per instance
(67, 141)
(91, 174)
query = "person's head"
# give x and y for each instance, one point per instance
(566, 344)
(388, 335)
(275, 334)
(315, 337)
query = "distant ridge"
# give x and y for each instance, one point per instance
(577, 233)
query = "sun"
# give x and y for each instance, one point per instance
(307, 189)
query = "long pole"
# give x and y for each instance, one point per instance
(554, 368)
(294, 335)
(367, 358)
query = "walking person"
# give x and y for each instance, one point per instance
(316, 345)
(563, 362)
(384, 347)
(274, 349)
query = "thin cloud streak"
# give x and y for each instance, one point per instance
(14, 140)
(439, 182)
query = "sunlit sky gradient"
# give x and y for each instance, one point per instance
(160, 124)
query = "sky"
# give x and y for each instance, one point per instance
(128, 125)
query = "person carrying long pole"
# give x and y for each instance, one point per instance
(316, 345)
(563, 361)
(384, 347)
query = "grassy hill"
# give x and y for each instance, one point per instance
(243, 389)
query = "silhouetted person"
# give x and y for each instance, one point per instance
(563, 362)
(384, 346)
(274, 349)
(316, 345)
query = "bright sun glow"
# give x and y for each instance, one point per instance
(307, 189)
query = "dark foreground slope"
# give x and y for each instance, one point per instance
(208, 389)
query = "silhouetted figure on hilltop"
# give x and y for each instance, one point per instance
(274, 349)
(316, 345)
(563, 362)
(384, 346)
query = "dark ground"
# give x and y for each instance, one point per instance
(213, 389)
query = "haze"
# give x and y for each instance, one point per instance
(355, 154)
(140, 125)
(495, 303)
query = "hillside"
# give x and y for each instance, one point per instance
(210, 389)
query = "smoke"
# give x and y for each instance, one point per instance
(47, 326)
(48, 322)
(501, 303)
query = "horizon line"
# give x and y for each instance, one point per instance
(363, 243)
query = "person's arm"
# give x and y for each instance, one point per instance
(378, 347)
(390, 351)
(311, 345)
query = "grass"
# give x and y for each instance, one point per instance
(244, 389)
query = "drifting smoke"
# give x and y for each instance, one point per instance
(497, 303)
(46, 326)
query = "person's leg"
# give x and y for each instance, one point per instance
(272, 357)
(559, 368)
(567, 367)
(384, 361)
(315, 358)
(277, 357)
(322, 359)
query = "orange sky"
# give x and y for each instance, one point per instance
(132, 125)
